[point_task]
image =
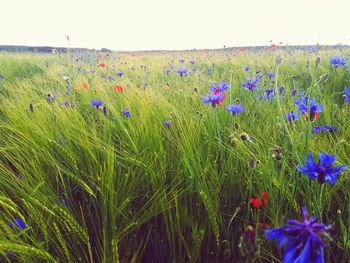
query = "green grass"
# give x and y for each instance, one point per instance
(142, 192)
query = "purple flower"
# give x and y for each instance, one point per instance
(209, 70)
(347, 95)
(271, 75)
(220, 87)
(192, 61)
(214, 98)
(50, 98)
(105, 110)
(292, 116)
(96, 103)
(294, 92)
(126, 113)
(166, 123)
(269, 94)
(183, 72)
(18, 223)
(235, 108)
(323, 171)
(338, 61)
(120, 73)
(181, 60)
(313, 109)
(316, 129)
(246, 68)
(251, 84)
(329, 128)
(304, 240)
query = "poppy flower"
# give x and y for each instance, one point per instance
(261, 201)
(118, 88)
(84, 85)
(99, 55)
(273, 46)
(102, 65)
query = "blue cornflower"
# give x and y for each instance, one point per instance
(96, 103)
(126, 113)
(316, 129)
(271, 75)
(167, 123)
(323, 171)
(338, 61)
(294, 92)
(110, 78)
(120, 73)
(182, 71)
(292, 116)
(347, 95)
(209, 70)
(192, 61)
(313, 109)
(269, 94)
(329, 128)
(251, 84)
(246, 68)
(235, 108)
(18, 223)
(214, 98)
(303, 239)
(50, 98)
(181, 60)
(220, 87)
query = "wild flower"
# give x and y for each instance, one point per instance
(120, 73)
(303, 240)
(214, 98)
(167, 123)
(306, 109)
(126, 113)
(96, 103)
(183, 72)
(118, 88)
(323, 171)
(235, 108)
(347, 94)
(219, 87)
(17, 222)
(338, 61)
(251, 84)
(260, 201)
(292, 116)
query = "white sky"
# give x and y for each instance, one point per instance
(177, 24)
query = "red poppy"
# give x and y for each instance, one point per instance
(107, 55)
(273, 46)
(118, 88)
(314, 116)
(102, 65)
(84, 85)
(99, 55)
(261, 201)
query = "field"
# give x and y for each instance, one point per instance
(136, 157)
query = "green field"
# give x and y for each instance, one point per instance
(92, 184)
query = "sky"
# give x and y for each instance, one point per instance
(180, 24)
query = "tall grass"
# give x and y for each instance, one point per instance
(105, 188)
